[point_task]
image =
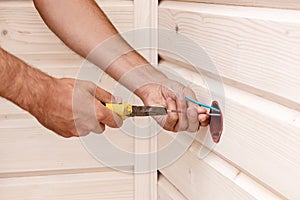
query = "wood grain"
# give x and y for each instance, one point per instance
(288, 4)
(167, 191)
(196, 179)
(201, 177)
(52, 61)
(28, 147)
(254, 47)
(260, 137)
(145, 16)
(87, 186)
(22, 30)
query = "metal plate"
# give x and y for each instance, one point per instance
(216, 123)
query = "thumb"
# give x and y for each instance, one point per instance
(103, 114)
(103, 96)
(106, 116)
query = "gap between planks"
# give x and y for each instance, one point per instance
(282, 4)
(279, 15)
(227, 168)
(59, 172)
(166, 190)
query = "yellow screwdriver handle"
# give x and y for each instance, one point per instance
(121, 109)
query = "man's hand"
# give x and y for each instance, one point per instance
(73, 108)
(171, 95)
(68, 107)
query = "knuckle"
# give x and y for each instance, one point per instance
(191, 114)
(92, 126)
(88, 84)
(183, 126)
(193, 128)
(66, 135)
(173, 118)
(168, 128)
(74, 133)
(82, 133)
(100, 116)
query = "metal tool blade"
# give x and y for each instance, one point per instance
(147, 111)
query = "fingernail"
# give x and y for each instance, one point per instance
(117, 99)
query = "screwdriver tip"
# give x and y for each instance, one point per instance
(210, 114)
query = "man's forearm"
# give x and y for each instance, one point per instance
(20, 83)
(82, 26)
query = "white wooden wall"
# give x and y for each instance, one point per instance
(36, 163)
(255, 45)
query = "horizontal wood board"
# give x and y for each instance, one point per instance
(209, 178)
(256, 48)
(260, 137)
(167, 191)
(87, 186)
(22, 30)
(285, 4)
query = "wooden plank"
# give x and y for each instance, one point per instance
(24, 32)
(288, 4)
(256, 48)
(145, 16)
(212, 178)
(88, 186)
(167, 191)
(27, 147)
(52, 61)
(260, 137)
(196, 179)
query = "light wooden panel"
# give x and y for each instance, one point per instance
(260, 137)
(87, 186)
(52, 61)
(27, 147)
(167, 191)
(145, 16)
(22, 31)
(211, 178)
(257, 48)
(289, 4)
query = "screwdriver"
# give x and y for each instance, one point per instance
(125, 110)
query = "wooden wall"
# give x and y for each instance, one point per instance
(255, 47)
(256, 51)
(36, 163)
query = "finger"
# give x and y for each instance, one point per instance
(117, 99)
(100, 128)
(201, 110)
(172, 118)
(193, 121)
(103, 95)
(181, 104)
(192, 111)
(203, 117)
(106, 116)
